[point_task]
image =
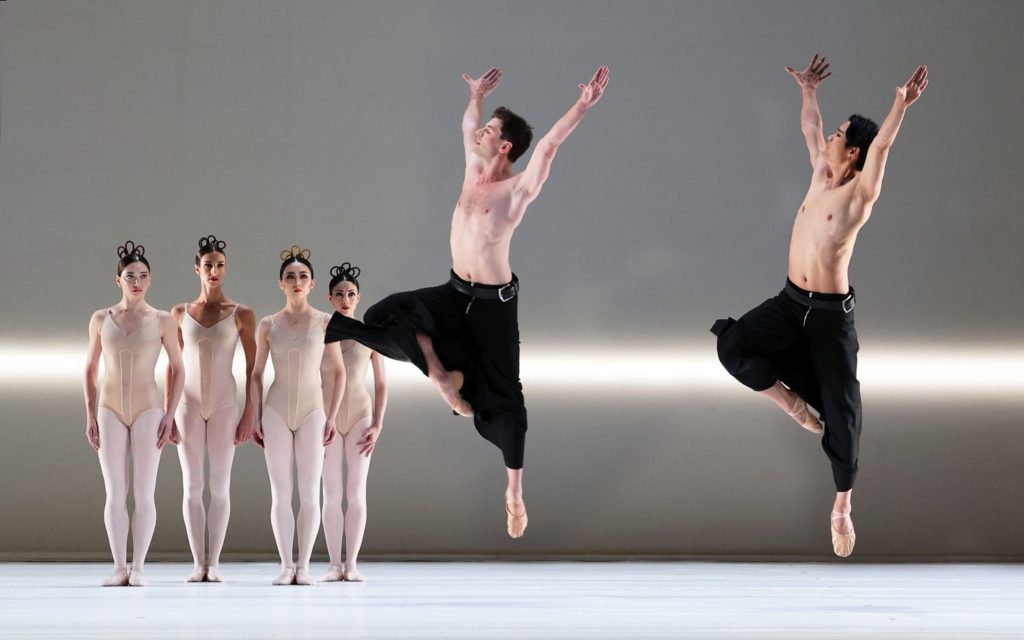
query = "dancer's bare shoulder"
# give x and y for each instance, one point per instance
(178, 311)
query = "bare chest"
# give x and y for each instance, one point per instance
(484, 211)
(827, 213)
(491, 200)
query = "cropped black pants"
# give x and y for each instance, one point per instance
(808, 341)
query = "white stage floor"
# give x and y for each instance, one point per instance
(525, 599)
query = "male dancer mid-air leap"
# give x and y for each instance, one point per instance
(800, 347)
(464, 334)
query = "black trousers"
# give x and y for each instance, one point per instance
(813, 351)
(476, 336)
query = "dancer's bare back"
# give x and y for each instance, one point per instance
(840, 197)
(493, 199)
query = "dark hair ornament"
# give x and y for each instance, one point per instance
(345, 271)
(130, 249)
(210, 243)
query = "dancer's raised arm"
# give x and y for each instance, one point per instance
(479, 88)
(874, 164)
(536, 174)
(810, 114)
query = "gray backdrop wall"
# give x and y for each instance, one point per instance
(335, 125)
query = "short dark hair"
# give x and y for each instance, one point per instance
(129, 253)
(210, 244)
(859, 134)
(515, 130)
(344, 272)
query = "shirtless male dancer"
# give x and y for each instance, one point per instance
(464, 334)
(800, 347)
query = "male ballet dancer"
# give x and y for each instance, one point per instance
(800, 347)
(464, 334)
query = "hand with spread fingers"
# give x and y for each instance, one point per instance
(482, 87)
(591, 92)
(814, 74)
(912, 90)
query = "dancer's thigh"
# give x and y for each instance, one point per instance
(113, 453)
(145, 455)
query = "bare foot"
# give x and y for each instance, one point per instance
(843, 536)
(137, 579)
(213, 575)
(198, 575)
(516, 521)
(303, 578)
(287, 577)
(352, 574)
(334, 574)
(117, 579)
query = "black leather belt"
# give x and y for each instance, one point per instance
(502, 292)
(845, 305)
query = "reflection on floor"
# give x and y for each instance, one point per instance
(525, 599)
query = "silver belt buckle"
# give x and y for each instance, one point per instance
(501, 292)
(849, 303)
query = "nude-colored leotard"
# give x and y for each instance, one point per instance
(355, 403)
(296, 391)
(129, 388)
(208, 353)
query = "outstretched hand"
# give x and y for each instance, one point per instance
(591, 92)
(481, 87)
(912, 90)
(813, 75)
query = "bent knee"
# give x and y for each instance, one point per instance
(729, 345)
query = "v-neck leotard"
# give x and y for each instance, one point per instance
(129, 359)
(296, 390)
(355, 401)
(208, 354)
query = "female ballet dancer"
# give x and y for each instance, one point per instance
(127, 417)
(209, 329)
(292, 425)
(360, 426)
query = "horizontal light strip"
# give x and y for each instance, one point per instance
(921, 370)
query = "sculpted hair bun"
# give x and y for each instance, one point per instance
(295, 252)
(130, 249)
(345, 271)
(211, 243)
